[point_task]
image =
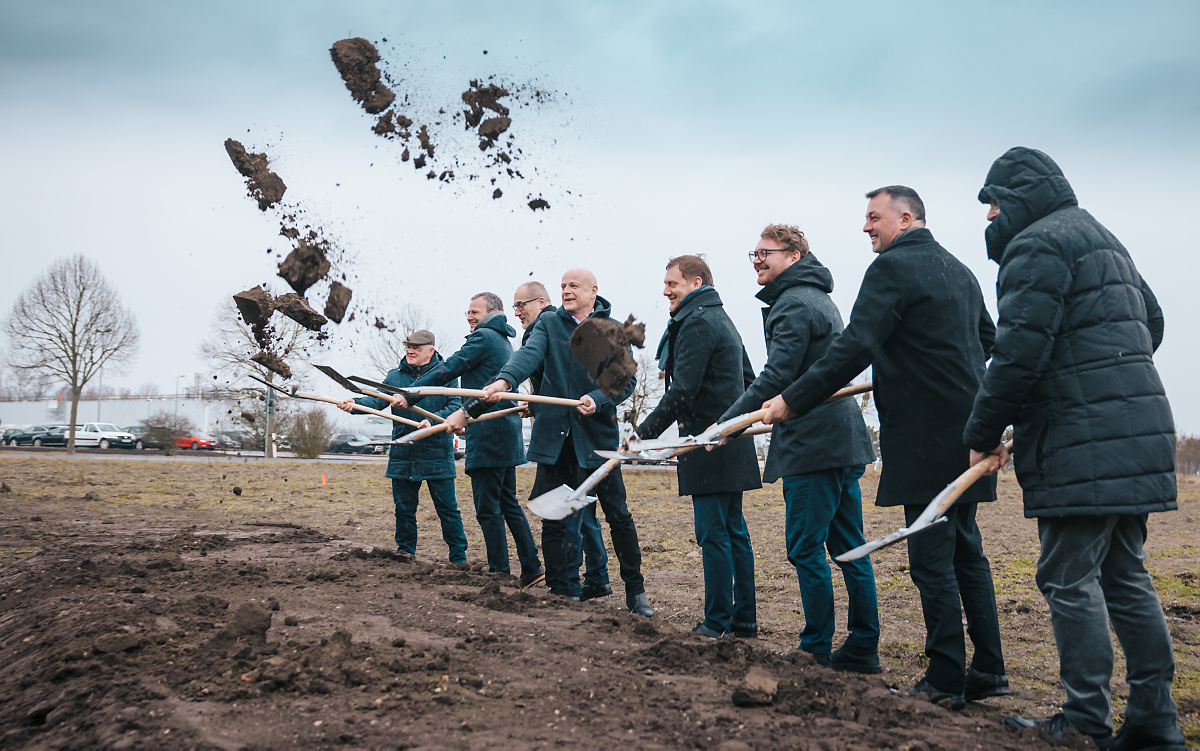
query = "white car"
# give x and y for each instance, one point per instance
(103, 435)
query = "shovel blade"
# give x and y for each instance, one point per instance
(559, 503)
(870, 547)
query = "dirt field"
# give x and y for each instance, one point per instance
(145, 605)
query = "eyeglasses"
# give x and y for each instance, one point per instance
(761, 255)
(519, 305)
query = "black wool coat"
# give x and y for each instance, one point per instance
(707, 370)
(800, 322)
(920, 322)
(1073, 368)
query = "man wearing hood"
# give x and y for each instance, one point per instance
(494, 447)
(565, 440)
(430, 461)
(529, 302)
(819, 456)
(1073, 372)
(706, 370)
(920, 322)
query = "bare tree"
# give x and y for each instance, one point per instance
(386, 344)
(648, 390)
(231, 344)
(67, 325)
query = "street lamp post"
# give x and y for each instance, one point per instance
(176, 425)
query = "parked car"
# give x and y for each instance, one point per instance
(195, 440)
(460, 447)
(142, 437)
(9, 432)
(103, 435)
(40, 435)
(353, 443)
(230, 439)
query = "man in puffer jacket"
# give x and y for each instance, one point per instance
(1073, 371)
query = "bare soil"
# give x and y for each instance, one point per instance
(145, 605)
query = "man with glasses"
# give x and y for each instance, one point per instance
(565, 439)
(920, 321)
(430, 461)
(819, 457)
(494, 447)
(529, 302)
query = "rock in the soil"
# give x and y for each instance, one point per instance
(249, 621)
(237, 489)
(4, 488)
(339, 298)
(112, 643)
(757, 689)
(294, 306)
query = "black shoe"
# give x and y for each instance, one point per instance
(744, 630)
(1149, 739)
(639, 605)
(937, 696)
(592, 591)
(981, 685)
(1056, 727)
(703, 630)
(529, 578)
(853, 658)
(823, 659)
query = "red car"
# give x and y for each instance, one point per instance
(194, 440)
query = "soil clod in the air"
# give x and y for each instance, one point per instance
(601, 345)
(273, 362)
(264, 185)
(339, 299)
(256, 306)
(356, 60)
(294, 306)
(305, 265)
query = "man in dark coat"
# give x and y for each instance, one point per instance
(529, 302)
(564, 440)
(430, 461)
(706, 370)
(494, 447)
(820, 456)
(1073, 372)
(920, 321)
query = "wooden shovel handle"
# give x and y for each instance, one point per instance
(479, 393)
(968, 478)
(411, 407)
(357, 408)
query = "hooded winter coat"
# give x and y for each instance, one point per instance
(800, 322)
(707, 369)
(920, 322)
(1072, 368)
(428, 459)
(549, 344)
(491, 443)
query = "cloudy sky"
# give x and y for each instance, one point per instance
(669, 127)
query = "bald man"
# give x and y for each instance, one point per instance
(565, 438)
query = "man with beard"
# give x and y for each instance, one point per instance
(430, 461)
(919, 320)
(706, 370)
(1073, 372)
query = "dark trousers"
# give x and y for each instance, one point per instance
(495, 492)
(728, 560)
(595, 557)
(405, 495)
(1092, 572)
(561, 538)
(947, 564)
(824, 512)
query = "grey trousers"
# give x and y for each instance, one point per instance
(1092, 572)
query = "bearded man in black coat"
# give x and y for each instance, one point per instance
(707, 369)
(1073, 371)
(920, 321)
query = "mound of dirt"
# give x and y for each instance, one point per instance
(355, 60)
(601, 345)
(264, 185)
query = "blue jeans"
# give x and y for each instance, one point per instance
(1092, 572)
(595, 573)
(728, 560)
(495, 493)
(824, 512)
(405, 495)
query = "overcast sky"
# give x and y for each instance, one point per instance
(671, 127)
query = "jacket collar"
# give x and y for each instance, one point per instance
(704, 295)
(914, 236)
(808, 270)
(416, 372)
(497, 321)
(601, 309)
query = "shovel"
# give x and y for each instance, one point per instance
(477, 393)
(417, 435)
(346, 384)
(933, 513)
(292, 392)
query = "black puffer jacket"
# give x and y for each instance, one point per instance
(707, 369)
(919, 320)
(800, 322)
(1072, 368)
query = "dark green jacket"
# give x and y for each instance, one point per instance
(549, 345)
(799, 323)
(491, 443)
(920, 322)
(430, 458)
(707, 369)
(1072, 369)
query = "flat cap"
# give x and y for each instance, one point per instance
(419, 338)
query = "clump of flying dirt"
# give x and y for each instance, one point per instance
(339, 298)
(601, 345)
(264, 185)
(355, 60)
